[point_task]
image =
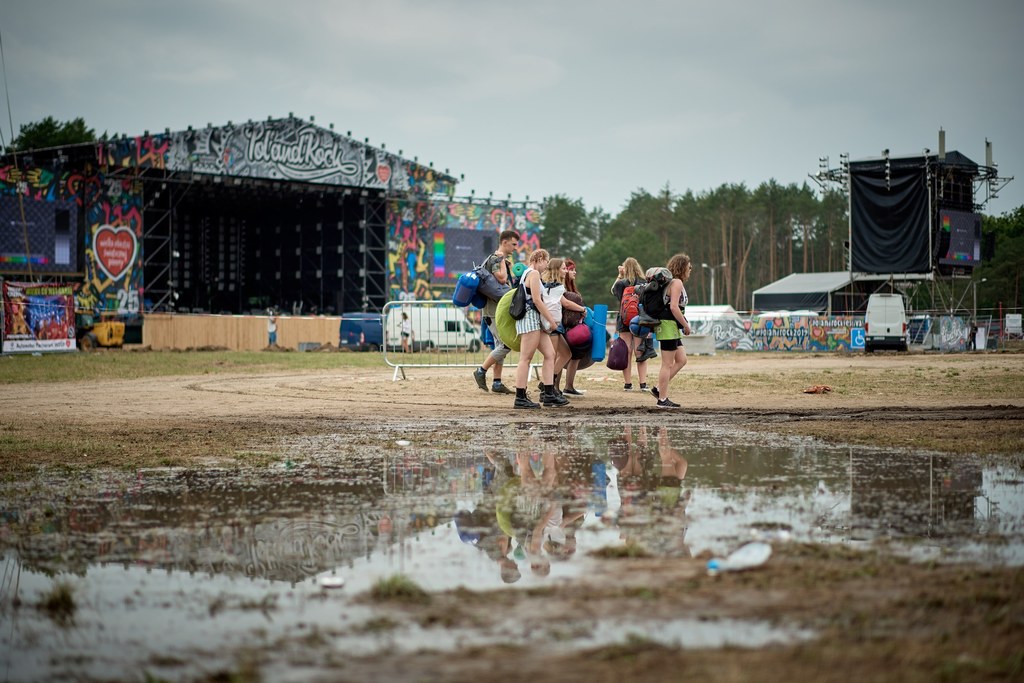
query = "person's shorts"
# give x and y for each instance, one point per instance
(529, 322)
(670, 345)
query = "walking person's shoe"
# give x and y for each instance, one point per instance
(667, 403)
(644, 387)
(573, 391)
(499, 388)
(656, 393)
(627, 387)
(480, 375)
(525, 402)
(551, 399)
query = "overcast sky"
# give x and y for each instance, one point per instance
(589, 98)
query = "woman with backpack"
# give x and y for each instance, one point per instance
(673, 355)
(630, 275)
(533, 333)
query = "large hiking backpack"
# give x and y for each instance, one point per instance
(629, 306)
(654, 295)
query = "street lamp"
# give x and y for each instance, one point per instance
(712, 269)
(974, 317)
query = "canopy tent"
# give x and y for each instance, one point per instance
(801, 291)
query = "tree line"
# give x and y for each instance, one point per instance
(760, 235)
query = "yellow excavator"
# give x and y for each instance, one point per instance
(94, 334)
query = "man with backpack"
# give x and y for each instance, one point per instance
(499, 265)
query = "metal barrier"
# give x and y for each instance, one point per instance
(441, 335)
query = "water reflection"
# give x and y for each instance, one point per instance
(530, 511)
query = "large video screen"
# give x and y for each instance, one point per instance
(456, 251)
(44, 241)
(963, 230)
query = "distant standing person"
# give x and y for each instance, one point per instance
(972, 337)
(499, 265)
(630, 275)
(406, 333)
(673, 354)
(272, 329)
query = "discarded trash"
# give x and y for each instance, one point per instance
(331, 582)
(745, 557)
(818, 389)
(769, 535)
(403, 442)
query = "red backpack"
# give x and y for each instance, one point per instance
(629, 307)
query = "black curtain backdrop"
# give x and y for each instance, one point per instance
(889, 225)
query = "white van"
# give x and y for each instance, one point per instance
(885, 323)
(434, 326)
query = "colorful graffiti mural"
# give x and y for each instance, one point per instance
(113, 248)
(807, 333)
(431, 243)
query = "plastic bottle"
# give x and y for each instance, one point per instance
(745, 557)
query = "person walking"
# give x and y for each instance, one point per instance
(499, 265)
(630, 275)
(554, 290)
(570, 318)
(673, 354)
(532, 337)
(406, 333)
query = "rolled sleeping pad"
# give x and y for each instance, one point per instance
(598, 331)
(505, 323)
(518, 269)
(479, 301)
(465, 289)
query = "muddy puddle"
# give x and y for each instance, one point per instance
(110, 574)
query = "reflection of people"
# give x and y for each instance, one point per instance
(972, 337)
(406, 333)
(272, 330)
(497, 264)
(652, 489)
(673, 354)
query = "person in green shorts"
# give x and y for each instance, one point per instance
(673, 354)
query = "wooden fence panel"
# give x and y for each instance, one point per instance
(164, 331)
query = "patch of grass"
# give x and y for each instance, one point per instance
(113, 364)
(59, 603)
(399, 588)
(629, 649)
(376, 625)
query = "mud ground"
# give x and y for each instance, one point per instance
(879, 618)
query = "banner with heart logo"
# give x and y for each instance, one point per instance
(115, 250)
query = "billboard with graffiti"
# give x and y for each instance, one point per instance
(431, 243)
(280, 149)
(37, 317)
(113, 248)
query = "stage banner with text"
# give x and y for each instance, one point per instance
(38, 317)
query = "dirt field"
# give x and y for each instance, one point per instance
(878, 618)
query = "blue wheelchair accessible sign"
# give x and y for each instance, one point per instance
(857, 338)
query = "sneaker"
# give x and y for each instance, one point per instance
(657, 394)
(667, 403)
(525, 402)
(480, 375)
(554, 400)
(500, 388)
(644, 387)
(627, 387)
(574, 392)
